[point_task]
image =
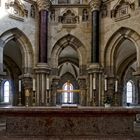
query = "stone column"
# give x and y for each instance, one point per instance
(42, 69)
(26, 83)
(94, 70)
(95, 7)
(95, 85)
(83, 90)
(43, 7)
(54, 88)
(137, 75)
(111, 88)
(1, 56)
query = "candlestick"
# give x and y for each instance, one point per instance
(19, 85)
(94, 83)
(105, 84)
(34, 85)
(47, 84)
(116, 86)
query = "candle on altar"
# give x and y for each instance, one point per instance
(105, 84)
(116, 86)
(19, 85)
(94, 83)
(34, 85)
(47, 83)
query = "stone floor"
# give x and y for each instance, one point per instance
(69, 138)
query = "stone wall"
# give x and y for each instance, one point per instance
(77, 123)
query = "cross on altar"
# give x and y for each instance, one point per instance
(68, 91)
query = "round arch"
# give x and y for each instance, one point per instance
(25, 46)
(74, 43)
(113, 45)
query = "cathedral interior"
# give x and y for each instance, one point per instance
(69, 57)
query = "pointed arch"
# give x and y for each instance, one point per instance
(114, 42)
(72, 41)
(129, 91)
(25, 45)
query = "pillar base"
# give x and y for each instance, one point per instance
(42, 97)
(83, 90)
(95, 85)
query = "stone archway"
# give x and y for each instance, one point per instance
(17, 54)
(24, 46)
(69, 56)
(74, 43)
(113, 44)
(122, 50)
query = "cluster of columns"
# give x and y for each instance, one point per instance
(42, 70)
(99, 86)
(95, 96)
(94, 70)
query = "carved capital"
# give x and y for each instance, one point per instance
(43, 4)
(95, 4)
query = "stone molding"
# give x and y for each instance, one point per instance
(42, 68)
(95, 5)
(43, 4)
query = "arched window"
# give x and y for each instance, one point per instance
(6, 91)
(129, 92)
(67, 95)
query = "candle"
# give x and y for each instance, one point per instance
(19, 85)
(33, 84)
(47, 84)
(116, 86)
(94, 83)
(105, 84)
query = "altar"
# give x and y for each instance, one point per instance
(56, 123)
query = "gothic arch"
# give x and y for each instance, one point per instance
(25, 46)
(74, 43)
(113, 45)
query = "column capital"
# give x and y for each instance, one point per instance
(43, 4)
(94, 68)
(42, 68)
(95, 5)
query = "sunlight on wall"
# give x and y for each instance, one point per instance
(3, 13)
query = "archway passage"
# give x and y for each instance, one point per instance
(67, 56)
(122, 60)
(17, 60)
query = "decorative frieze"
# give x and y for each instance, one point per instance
(95, 4)
(43, 4)
(69, 18)
(122, 9)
